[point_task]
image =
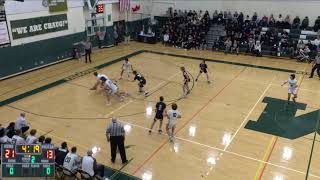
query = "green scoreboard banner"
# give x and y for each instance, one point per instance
(57, 5)
(41, 25)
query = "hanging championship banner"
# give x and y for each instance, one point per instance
(41, 25)
(4, 34)
(57, 5)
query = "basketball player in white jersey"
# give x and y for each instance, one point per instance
(72, 160)
(293, 87)
(89, 163)
(111, 89)
(98, 82)
(172, 115)
(126, 66)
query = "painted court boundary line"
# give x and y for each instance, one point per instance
(190, 119)
(248, 115)
(227, 151)
(79, 74)
(59, 82)
(64, 80)
(204, 145)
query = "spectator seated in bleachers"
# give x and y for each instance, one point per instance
(41, 140)
(31, 138)
(166, 39)
(264, 21)
(296, 23)
(257, 49)
(316, 42)
(272, 21)
(4, 139)
(61, 153)
(10, 129)
(280, 22)
(47, 140)
(227, 44)
(287, 22)
(17, 138)
(235, 47)
(316, 26)
(305, 23)
(89, 164)
(71, 162)
(250, 45)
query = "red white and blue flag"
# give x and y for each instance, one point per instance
(124, 5)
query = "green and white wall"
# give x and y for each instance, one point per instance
(35, 51)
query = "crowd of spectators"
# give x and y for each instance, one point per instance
(186, 29)
(246, 32)
(17, 133)
(265, 21)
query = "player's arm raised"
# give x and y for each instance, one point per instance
(284, 83)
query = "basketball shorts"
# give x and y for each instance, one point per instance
(158, 116)
(292, 90)
(203, 71)
(142, 83)
(171, 125)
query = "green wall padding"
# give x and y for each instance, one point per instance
(24, 57)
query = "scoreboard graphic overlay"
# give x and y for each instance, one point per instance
(25, 160)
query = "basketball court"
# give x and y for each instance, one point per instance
(237, 127)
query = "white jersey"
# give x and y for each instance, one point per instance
(5, 139)
(111, 86)
(88, 165)
(292, 86)
(99, 76)
(70, 162)
(18, 140)
(31, 139)
(173, 116)
(292, 83)
(127, 66)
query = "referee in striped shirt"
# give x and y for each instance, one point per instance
(116, 135)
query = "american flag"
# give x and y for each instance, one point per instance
(124, 5)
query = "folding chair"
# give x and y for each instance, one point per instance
(85, 175)
(59, 172)
(69, 175)
(303, 56)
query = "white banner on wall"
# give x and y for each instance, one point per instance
(4, 35)
(28, 6)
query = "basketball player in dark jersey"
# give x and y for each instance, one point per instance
(160, 110)
(203, 69)
(142, 82)
(186, 80)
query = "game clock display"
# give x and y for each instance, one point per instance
(27, 160)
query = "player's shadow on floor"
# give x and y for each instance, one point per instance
(279, 119)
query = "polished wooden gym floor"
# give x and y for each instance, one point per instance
(219, 135)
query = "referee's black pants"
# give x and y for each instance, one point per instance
(117, 142)
(315, 67)
(88, 54)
